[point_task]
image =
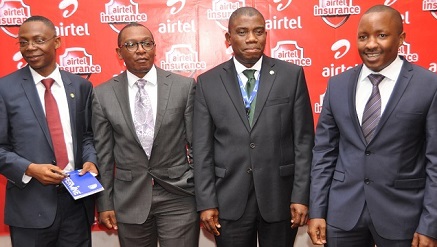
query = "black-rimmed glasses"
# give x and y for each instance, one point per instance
(35, 42)
(133, 47)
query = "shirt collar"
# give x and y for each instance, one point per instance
(151, 77)
(55, 75)
(391, 71)
(240, 68)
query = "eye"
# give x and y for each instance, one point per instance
(241, 32)
(23, 43)
(362, 37)
(39, 41)
(382, 35)
(259, 32)
(130, 45)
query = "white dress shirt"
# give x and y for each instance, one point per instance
(364, 86)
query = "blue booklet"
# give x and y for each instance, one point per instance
(81, 186)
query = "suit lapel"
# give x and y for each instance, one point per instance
(230, 82)
(35, 103)
(351, 90)
(164, 85)
(120, 87)
(267, 78)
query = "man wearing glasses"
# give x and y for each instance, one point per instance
(45, 119)
(143, 126)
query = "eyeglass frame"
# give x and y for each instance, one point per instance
(24, 44)
(138, 45)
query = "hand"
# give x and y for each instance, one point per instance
(209, 218)
(89, 167)
(299, 215)
(317, 231)
(108, 219)
(46, 173)
(420, 240)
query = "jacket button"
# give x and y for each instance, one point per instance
(252, 145)
(367, 181)
(367, 153)
(249, 170)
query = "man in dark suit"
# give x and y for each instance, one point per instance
(252, 159)
(374, 176)
(144, 159)
(39, 211)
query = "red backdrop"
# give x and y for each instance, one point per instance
(319, 35)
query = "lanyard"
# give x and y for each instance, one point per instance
(248, 100)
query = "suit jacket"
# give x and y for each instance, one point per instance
(125, 171)
(25, 139)
(275, 152)
(395, 175)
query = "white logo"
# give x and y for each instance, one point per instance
(221, 11)
(430, 5)
(336, 12)
(77, 61)
(281, 6)
(64, 4)
(338, 45)
(290, 51)
(319, 105)
(181, 58)
(116, 12)
(173, 10)
(405, 50)
(13, 13)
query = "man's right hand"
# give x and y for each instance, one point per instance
(108, 219)
(209, 218)
(46, 173)
(317, 231)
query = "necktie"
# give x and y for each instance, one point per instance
(54, 124)
(250, 84)
(143, 118)
(372, 110)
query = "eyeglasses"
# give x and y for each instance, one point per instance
(133, 47)
(35, 42)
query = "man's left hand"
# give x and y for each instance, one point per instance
(299, 215)
(89, 167)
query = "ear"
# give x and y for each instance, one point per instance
(57, 42)
(228, 38)
(402, 37)
(118, 51)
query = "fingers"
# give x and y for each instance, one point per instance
(299, 215)
(89, 167)
(210, 221)
(107, 218)
(317, 231)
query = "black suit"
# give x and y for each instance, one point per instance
(273, 156)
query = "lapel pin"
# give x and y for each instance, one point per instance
(272, 72)
(72, 95)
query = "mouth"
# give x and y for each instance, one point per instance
(141, 60)
(33, 58)
(372, 55)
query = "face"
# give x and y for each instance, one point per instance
(379, 38)
(247, 36)
(138, 62)
(38, 46)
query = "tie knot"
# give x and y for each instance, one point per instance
(249, 73)
(375, 79)
(141, 83)
(48, 82)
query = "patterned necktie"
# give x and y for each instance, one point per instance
(250, 84)
(372, 110)
(143, 118)
(54, 124)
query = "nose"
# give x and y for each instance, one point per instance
(372, 42)
(251, 37)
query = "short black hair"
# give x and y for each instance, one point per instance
(132, 24)
(249, 11)
(42, 19)
(395, 14)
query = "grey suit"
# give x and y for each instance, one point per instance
(394, 176)
(126, 173)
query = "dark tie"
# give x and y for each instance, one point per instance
(372, 110)
(143, 118)
(54, 124)
(250, 84)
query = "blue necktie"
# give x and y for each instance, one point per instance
(372, 110)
